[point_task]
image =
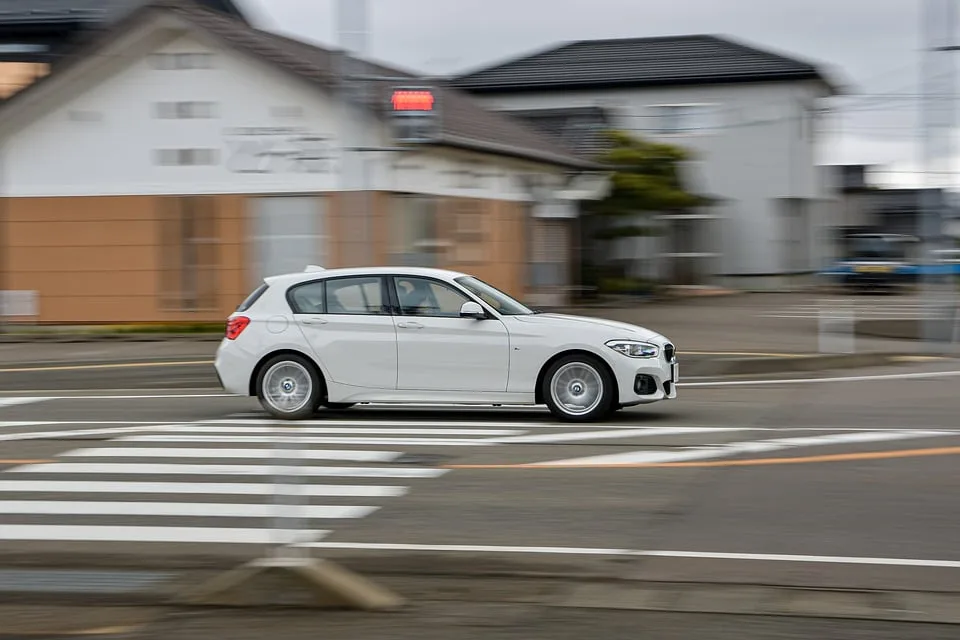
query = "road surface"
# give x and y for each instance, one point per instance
(845, 481)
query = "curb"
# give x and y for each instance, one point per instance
(22, 338)
(801, 363)
(569, 592)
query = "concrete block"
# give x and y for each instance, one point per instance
(292, 582)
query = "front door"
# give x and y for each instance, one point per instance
(438, 350)
(349, 327)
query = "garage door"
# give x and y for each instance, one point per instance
(289, 234)
(550, 253)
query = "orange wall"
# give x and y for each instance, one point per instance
(97, 259)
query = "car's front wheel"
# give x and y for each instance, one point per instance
(577, 388)
(289, 387)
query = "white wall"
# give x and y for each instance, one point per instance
(754, 153)
(102, 142)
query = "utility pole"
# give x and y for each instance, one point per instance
(938, 119)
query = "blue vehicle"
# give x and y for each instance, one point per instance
(877, 261)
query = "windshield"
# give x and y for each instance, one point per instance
(876, 248)
(497, 299)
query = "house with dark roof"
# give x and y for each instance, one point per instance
(177, 156)
(749, 115)
(34, 34)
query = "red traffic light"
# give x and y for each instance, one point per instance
(410, 100)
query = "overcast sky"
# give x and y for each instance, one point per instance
(871, 45)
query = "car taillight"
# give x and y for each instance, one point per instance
(236, 325)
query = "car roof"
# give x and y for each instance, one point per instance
(314, 273)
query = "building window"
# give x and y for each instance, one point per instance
(185, 110)
(469, 231)
(414, 234)
(186, 157)
(188, 253)
(681, 118)
(170, 61)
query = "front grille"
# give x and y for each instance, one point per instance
(668, 352)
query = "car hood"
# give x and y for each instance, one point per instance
(611, 329)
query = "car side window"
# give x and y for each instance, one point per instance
(355, 296)
(425, 297)
(308, 298)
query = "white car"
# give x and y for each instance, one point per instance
(339, 337)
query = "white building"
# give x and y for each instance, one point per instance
(750, 116)
(161, 170)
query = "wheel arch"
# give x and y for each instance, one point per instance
(289, 352)
(538, 390)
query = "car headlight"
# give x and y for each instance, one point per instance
(634, 348)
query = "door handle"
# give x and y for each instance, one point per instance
(314, 320)
(410, 325)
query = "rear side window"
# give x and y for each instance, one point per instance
(253, 297)
(308, 298)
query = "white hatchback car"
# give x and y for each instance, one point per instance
(335, 338)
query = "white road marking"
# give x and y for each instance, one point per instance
(737, 448)
(179, 509)
(900, 562)
(380, 442)
(205, 488)
(223, 469)
(104, 533)
(294, 432)
(10, 402)
(608, 435)
(890, 376)
(73, 433)
(251, 454)
(778, 557)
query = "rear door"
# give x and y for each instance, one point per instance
(348, 324)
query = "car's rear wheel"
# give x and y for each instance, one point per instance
(577, 388)
(289, 387)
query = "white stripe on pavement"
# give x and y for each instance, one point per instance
(10, 402)
(293, 432)
(247, 454)
(95, 533)
(890, 376)
(110, 468)
(179, 509)
(204, 488)
(423, 424)
(609, 435)
(737, 448)
(763, 557)
(380, 442)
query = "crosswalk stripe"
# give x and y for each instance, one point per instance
(106, 468)
(205, 488)
(180, 509)
(11, 402)
(103, 533)
(737, 448)
(381, 442)
(608, 435)
(295, 432)
(248, 454)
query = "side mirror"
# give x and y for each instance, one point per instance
(473, 310)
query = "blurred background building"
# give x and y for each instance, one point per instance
(174, 156)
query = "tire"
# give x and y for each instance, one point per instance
(289, 387)
(585, 374)
(338, 406)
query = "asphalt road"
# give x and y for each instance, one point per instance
(846, 484)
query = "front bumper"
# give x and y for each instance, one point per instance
(645, 381)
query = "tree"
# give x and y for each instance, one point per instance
(646, 179)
